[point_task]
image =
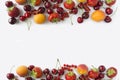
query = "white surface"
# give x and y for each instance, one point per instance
(89, 43)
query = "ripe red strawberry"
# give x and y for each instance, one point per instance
(70, 76)
(111, 72)
(14, 12)
(93, 73)
(110, 2)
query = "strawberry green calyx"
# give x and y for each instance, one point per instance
(94, 69)
(33, 74)
(108, 1)
(10, 8)
(69, 1)
(32, 2)
(70, 73)
(55, 20)
(111, 72)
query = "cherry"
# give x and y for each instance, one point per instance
(101, 75)
(49, 77)
(107, 19)
(10, 76)
(27, 14)
(53, 0)
(60, 10)
(9, 3)
(41, 9)
(85, 15)
(108, 11)
(27, 7)
(46, 71)
(101, 68)
(60, 71)
(80, 5)
(22, 18)
(96, 7)
(100, 3)
(47, 4)
(74, 10)
(49, 11)
(28, 78)
(12, 20)
(54, 71)
(30, 67)
(59, 1)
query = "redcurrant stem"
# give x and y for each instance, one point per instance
(12, 68)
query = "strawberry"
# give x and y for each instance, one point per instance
(110, 2)
(13, 12)
(93, 73)
(70, 76)
(36, 72)
(111, 72)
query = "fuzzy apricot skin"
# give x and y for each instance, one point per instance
(21, 2)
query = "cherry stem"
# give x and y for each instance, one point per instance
(58, 62)
(29, 24)
(12, 68)
(114, 11)
(71, 20)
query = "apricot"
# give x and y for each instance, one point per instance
(22, 71)
(21, 1)
(98, 15)
(82, 69)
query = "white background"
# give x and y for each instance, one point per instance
(90, 43)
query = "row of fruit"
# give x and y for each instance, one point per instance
(65, 72)
(58, 10)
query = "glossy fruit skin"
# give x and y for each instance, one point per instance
(85, 15)
(111, 72)
(41, 9)
(70, 76)
(92, 2)
(101, 68)
(27, 7)
(38, 72)
(12, 20)
(22, 18)
(110, 2)
(69, 5)
(10, 75)
(29, 78)
(9, 3)
(108, 11)
(54, 17)
(30, 67)
(79, 19)
(54, 71)
(93, 74)
(14, 12)
(107, 19)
